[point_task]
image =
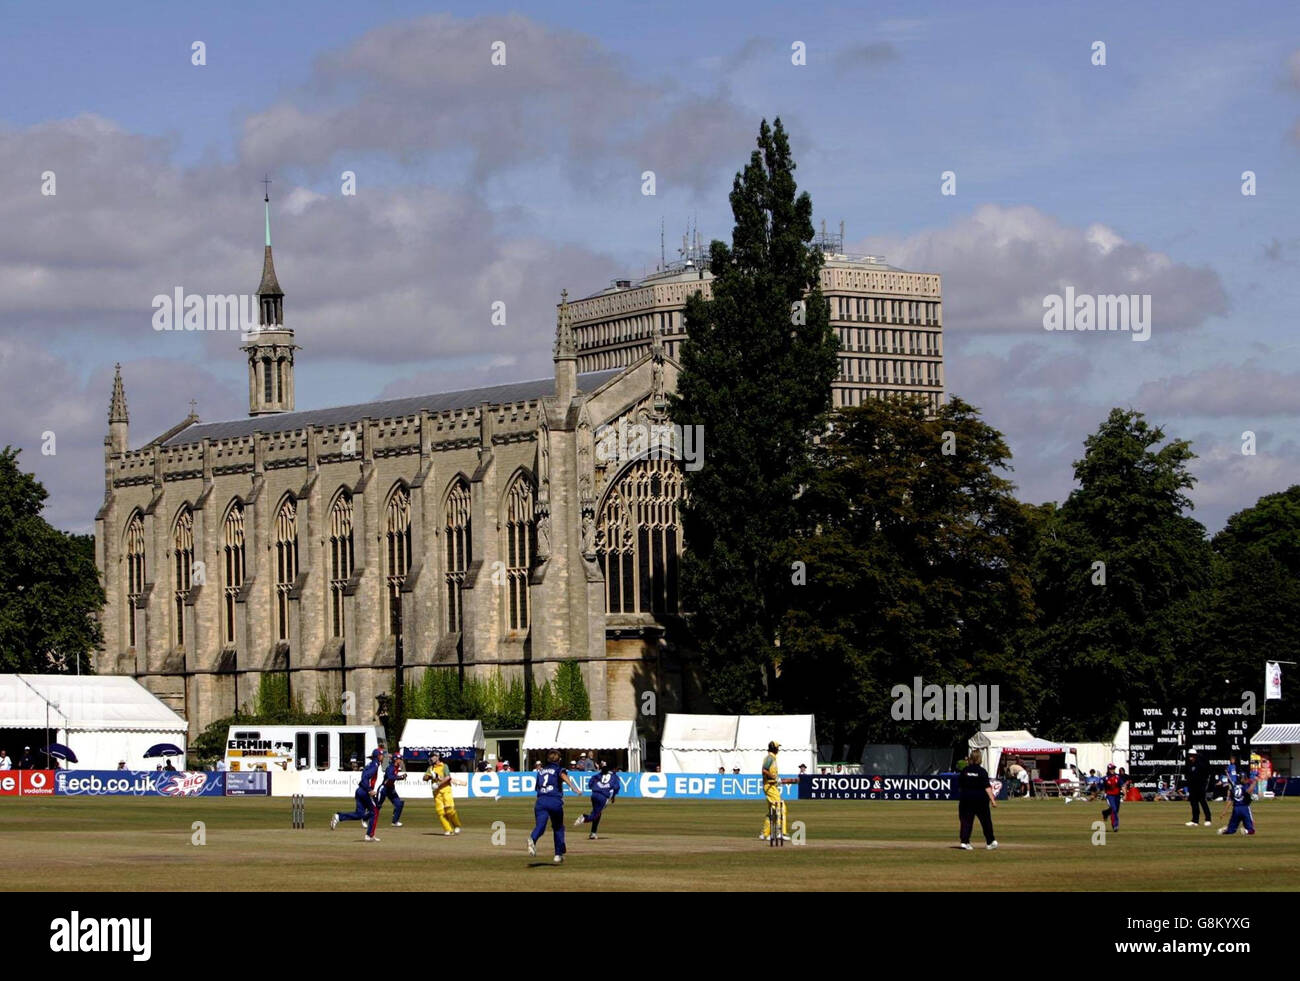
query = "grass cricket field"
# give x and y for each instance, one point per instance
(121, 843)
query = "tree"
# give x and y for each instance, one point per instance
(1119, 574)
(1252, 613)
(50, 594)
(757, 366)
(907, 562)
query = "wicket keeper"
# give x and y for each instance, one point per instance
(443, 803)
(772, 782)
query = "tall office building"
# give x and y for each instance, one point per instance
(889, 321)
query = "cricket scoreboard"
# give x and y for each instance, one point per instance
(1159, 739)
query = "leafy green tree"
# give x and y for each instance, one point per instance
(756, 372)
(571, 691)
(1251, 614)
(50, 594)
(1119, 574)
(907, 562)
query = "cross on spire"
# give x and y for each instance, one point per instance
(266, 182)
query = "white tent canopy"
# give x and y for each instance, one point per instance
(579, 735)
(426, 734)
(103, 719)
(703, 743)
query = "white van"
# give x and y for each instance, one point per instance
(312, 748)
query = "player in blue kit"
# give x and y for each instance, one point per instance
(604, 788)
(1240, 808)
(550, 804)
(367, 798)
(392, 774)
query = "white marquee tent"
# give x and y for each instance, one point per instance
(1020, 742)
(702, 743)
(443, 734)
(576, 736)
(103, 719)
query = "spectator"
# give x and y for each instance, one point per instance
(839, 768)
(5, 762)
(585, 763)
(505, 766)
(159, 767)
(221, 765)
(803, 768)
(121, 764)
(722, 769)
(25, 762)
(169, 766)
(1020, 775)
(736, 770)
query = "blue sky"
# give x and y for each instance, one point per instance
(478, 183)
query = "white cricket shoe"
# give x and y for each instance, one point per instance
(591, 837)
(559, 859)
(447, 834)
(762, 837)
(1207, 824)
(456, 831)
(580, 819)
(991, 845)
(532, 847)
(397, 824)
(1190, 824)
(370, 838)
(334, 821)
(967, 847)
(1223, 831)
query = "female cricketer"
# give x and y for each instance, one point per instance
(604, 788)
(367, 809)
(1240, 808)
(443, 802)
(772, 782)
(550, 804)
(392, 774)
(974, 798)
(1113, 787)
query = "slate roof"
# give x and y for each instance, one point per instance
(387, 409)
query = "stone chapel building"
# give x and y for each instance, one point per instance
(476, 530)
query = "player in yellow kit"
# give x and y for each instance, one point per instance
(772, 782)
(443, 802)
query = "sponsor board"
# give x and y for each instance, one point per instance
(138, 783)
(36, 783)
(876, 787)
(248, 784)
(8, 783)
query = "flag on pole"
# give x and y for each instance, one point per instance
(1272, 680)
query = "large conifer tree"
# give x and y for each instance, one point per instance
(757, 368)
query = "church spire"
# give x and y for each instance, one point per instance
(564, 349)
(566, 356)
(118, 431)
(268, 291)
(117, 406)
(270, 348)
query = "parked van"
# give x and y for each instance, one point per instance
(316, 748)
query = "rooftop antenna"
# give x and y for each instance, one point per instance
(663, 259)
